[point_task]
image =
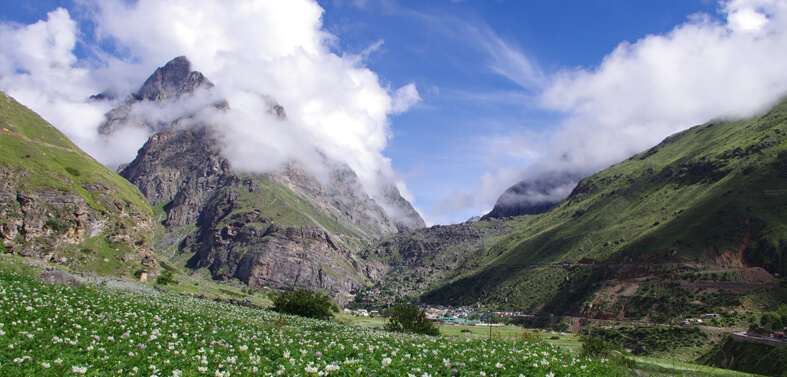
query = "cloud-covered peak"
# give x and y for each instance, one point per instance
(251, 51)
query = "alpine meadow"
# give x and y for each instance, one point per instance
(393, 188)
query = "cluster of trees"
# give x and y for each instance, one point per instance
(770, 321)
(166, 277)
(305, 303)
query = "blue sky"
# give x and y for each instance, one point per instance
(443, 145)
(506, 90)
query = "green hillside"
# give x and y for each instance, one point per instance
(57, 200)
(50, 160)
(747, 357)
(677, 229)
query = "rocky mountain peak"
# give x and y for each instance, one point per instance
(171, 81)
(283, 229)
(174, 81)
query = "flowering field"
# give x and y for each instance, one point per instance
(131, 330)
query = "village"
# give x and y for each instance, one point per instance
(449, 315)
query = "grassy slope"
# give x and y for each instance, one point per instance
(42, 158)
(286, 207)
(50, 160)
(116, 327)
(133, 308)
(748, 357)
(715, 186)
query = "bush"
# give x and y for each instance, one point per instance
(304, 303)
(166, 277)
(530, 336)
(595, 347)
(409, 318)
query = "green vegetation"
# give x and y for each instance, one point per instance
(651, 339)
(125, 328)
(693, 201)
(771, 321)
(93, 218)
(747, 357)
(410, 319)
(50, 161)
(166, 277)
(304, 303)
(593, 346)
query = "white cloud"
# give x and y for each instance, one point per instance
(39, 69)
(745, 15)
(645, 91)
(404, 98)
(249, 49)
(747, 19)
(508, 61)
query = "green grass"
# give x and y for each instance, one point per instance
(748, 357)
(64, 167)
(285, 208)
(121, 328)
(712, 187)
(654, 366)
(669, 367)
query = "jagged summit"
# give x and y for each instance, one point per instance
(282, 229)
(171, 81)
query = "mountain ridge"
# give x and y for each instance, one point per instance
(237, 225)
(704, 208)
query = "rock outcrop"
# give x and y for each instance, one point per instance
(173, 83)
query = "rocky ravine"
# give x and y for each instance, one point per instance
(282, 229)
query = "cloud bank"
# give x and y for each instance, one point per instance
(729, 67)
(248, 49)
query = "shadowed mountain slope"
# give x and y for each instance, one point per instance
(702, 215)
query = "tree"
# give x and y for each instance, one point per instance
(409, 318)
(304, 303)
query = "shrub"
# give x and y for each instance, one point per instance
(409, 318)
(595, 347)
(56, 225)
(304, 303)
(166, 277)
(530, 336)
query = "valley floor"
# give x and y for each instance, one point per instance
(109, 326)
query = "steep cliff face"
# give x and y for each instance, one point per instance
(57, 203)
(402, 211)
(282, 229)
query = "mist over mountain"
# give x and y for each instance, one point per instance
(700, 215)
(532, 197)
(299, 224)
